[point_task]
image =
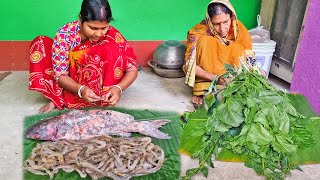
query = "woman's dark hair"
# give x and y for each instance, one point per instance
(95, 10)
(218, 8)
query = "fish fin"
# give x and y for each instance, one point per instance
(150, 129)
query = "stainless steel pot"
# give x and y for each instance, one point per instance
(168, 73)
(170, 54)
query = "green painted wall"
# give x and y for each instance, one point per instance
(136, 19)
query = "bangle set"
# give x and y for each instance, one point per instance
(118, 88)
(80, 90)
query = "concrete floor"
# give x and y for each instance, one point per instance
(148, 92)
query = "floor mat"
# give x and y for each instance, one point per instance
(171, 167)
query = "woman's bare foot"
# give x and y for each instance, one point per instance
(197, 101)
(47, 108)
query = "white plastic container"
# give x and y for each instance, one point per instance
(262, 46)
(264, 53)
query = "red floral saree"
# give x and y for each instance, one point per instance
(97, 66)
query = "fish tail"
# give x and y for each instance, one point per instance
(150, 128)
(159, 123)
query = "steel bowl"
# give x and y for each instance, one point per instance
(168, 73)
(170, 54)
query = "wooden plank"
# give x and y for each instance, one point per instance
(281, 70)
(279, 25)
(292, 30)
(266, 13)
(300, 34)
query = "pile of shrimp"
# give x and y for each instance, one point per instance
(116, 158)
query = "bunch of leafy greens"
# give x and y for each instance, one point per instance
(254, 120)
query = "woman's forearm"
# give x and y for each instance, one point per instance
(204, 74)
(69, 84)
(128, 79)
(72, 86)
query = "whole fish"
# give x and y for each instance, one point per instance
(85, 124)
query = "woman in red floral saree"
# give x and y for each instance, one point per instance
(88, 63)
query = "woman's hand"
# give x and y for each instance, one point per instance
(113, 96)
(223, 81)
(209, 76)
(89, 95)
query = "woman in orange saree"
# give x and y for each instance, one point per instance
(218, 40)
(88, 63)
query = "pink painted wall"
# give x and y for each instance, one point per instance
(306, 75)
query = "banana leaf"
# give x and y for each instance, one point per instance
(170, 169)
(191, 140)
(310, 155)
(301, 104)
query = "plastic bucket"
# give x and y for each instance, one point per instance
(264, 53)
